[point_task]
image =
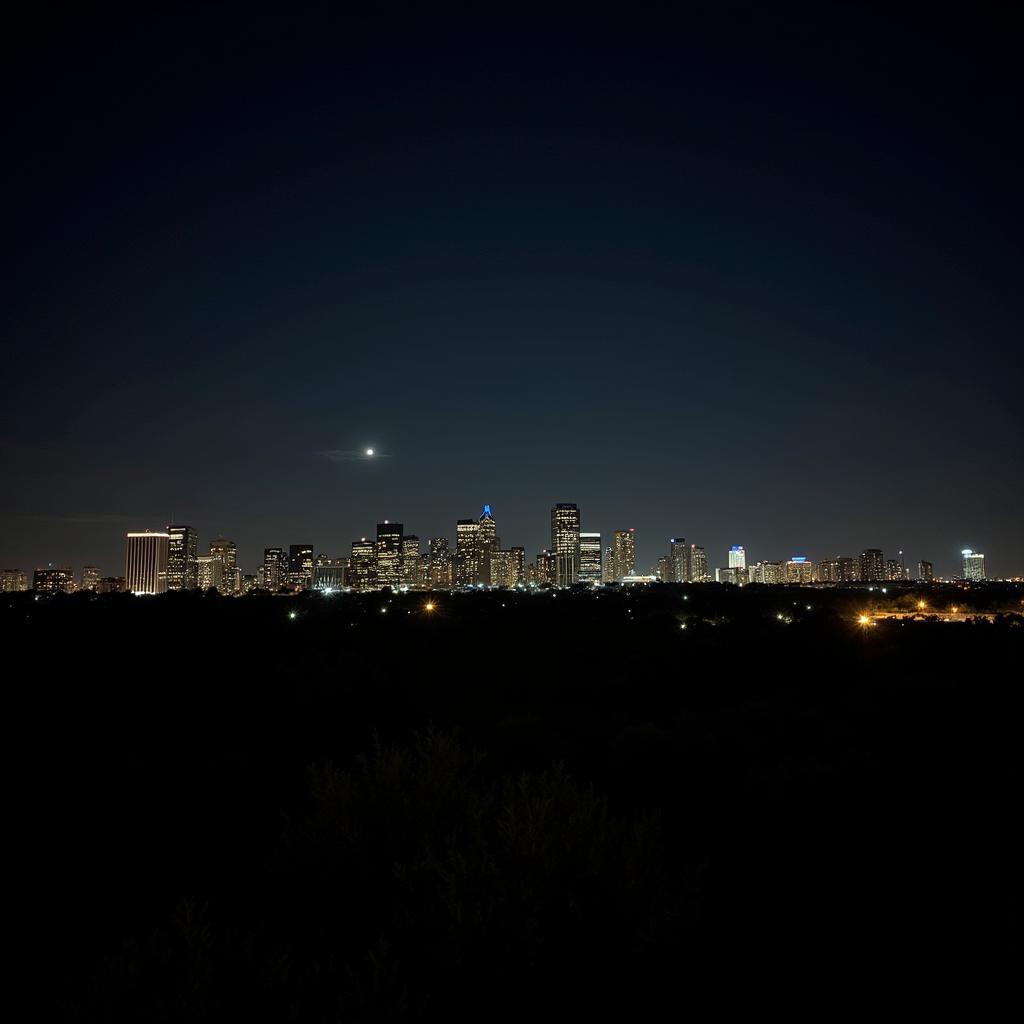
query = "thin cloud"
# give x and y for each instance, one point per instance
(352, 455)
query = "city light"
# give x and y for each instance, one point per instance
(293, 615)
(429, 606)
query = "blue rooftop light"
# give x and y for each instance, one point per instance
(487, 510)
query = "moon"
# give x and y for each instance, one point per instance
(369, 451)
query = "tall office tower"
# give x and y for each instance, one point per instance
(625, 553)
(698, 565)
(146, 562)
(90, 577)
(53, 581)
(508, 568)
(183, 549)
(210, 572)
(565, 543)
(487, 542)
(799, 569)
(544, 567)
(440, 562)
(662, 570)
(467, 553)
(274, 570)
(734, 575)
(847, 569)
(925, 571)
(230, 578)
(13, 581)
(362, 566)
(591, 569)
(389, 554)
(300, 565)
(872, 566)
(608, 568)
(737, 557)
(249, 584)
(893, 569)
(111, 585)
(411, 561)
(678, 560)
(973, 564)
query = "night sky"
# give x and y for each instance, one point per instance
(749, 280)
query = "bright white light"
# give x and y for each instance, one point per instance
(292, 615)
(369, 451)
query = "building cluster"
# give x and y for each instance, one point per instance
(160, 561)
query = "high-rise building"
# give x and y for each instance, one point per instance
(973, 564)
(274, 570)
(698, 565)
(210, 572)
(12, 581)
(508, 567)
(678, 560)
(565, 543)
(737, 557)
(625, 553)
(146, 562)
(608, 568)
(467, 570)
(894, 569)
(389, 554)
(662, 570)
(848, 570)
(872, 566)
(440, 563)
(111, 585)
(362, 566)
(799, 569)
(925, 571)
(183, 550)
(53, 581)
(733, 574)
(544, 568)
(90, 577)
(230, 578)
(591, 570)
(300, 565)
(411, 576)
(487, 543)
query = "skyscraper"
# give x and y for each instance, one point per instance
(300, 565)
(440, 560)
(467, 553)
(183, 549)
(565, 543)
(872, 565)
(737, 557)
(487, 543)
(973, 564)
(799, 569)
(698, 564)
(146, 562)
(411, 576)
(508, 568)
(210, 572)
(273, 568)
(608, 568)
(925, 571)
(591, 569)
(678, 560)
(362, 565)
(625, 553)
(90, 577)
(389, 554)
(230, 577)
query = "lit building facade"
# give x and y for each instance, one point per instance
(53, 581)
(300, 565)
(210, 572)
(765, 572)
(362, 565)
(146, 562)
(90, 577)
(925, 571)
(698, 564)
(467, 570)
(799, 569)
(230, 577)
(737, 557)
(508, 568)
(625, 553)
(973, 564)
(389, 554)
(872, 566)
(678, 560)
(591, 568)
(183, 550)
(274, 572)
(12, 581)
(411, 574)
(487, 543)
(440, 563)
(565, 543)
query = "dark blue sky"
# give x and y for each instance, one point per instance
(745, 279)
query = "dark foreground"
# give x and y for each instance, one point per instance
(512, 804)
